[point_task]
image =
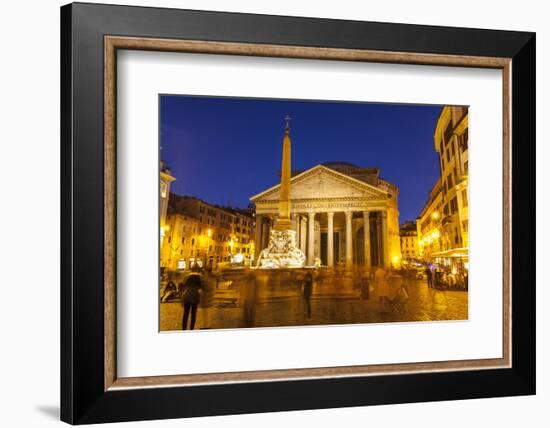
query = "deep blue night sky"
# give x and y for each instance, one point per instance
(224, 150)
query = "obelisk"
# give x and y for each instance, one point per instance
(281, 251)
(283, 221)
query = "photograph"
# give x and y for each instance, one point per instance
(281, 212)
(269, 210)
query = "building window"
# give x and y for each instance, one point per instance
(193, 241)
(464, 140)
(448, 133)
(448, 155)
(449, 182)
(169, 239)
(454, 205)
(464, 198)
(183, 240)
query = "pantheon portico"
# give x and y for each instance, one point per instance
(343, 215)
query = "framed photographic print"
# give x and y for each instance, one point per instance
(266, 213)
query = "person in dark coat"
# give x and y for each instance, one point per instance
(429, 276)
(190, 299)
(438, 279)
(306, 293)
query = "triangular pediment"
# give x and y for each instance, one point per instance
(322, 182)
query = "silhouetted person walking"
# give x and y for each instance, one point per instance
(429, 276)
(307, 291)
(383, 286)
(191, 299)
(209, 281)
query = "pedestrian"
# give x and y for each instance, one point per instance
(451, 280)
(306, 293)
(169, 290)
(437, 279)
(365, 284)
(382, 286)
(191, 298)
(429, 276)
(209, 285)
(401, 297)
(249, 297)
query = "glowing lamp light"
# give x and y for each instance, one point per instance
(209, 233)
(435, 215)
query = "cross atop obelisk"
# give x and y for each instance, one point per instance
(283, 221)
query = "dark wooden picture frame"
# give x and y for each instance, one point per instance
(90, 389)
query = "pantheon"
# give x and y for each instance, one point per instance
(343, 215)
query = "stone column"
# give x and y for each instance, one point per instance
(265, 233)
(258, 236)
(349, 242)
(385, 248)
(295, 221)
(330, 239)
(310, 239)
(303, 234)
(366, 231)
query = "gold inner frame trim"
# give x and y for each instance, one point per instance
(113, 43)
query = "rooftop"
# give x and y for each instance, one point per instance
(175, 198)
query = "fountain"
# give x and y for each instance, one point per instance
(282, 251)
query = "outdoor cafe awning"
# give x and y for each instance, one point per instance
(461, 253)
